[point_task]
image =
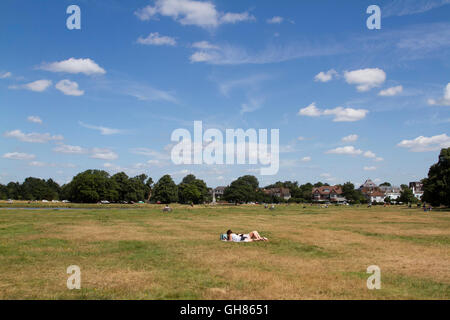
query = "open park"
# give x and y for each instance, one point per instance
(141, 252)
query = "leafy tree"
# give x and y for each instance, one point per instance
(437, 185)
(192, 190)
(348, 191)
(91, 186)
(404, 186)
(244, 189)
(165, 190)
(189, 193)
(385, 184)
(407, 196)
(3, 192)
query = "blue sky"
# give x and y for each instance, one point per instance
(351, 103)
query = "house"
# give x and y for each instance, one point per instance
(392, 192)
(217, 193)
(328, 194)
(372, 192)
(417, 189)
(283, 193)
(375, 196)
(369, 185)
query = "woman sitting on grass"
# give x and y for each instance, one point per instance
(241, 237)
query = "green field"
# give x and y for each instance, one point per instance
(143, 253)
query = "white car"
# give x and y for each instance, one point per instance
(104, 202)
(45, 201)
(65, 201)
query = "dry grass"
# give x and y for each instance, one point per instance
(142, 253)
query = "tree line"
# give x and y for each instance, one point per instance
(92, 186)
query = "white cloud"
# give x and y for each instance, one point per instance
(103, 130)
(301, 138)
(4, 75)
(252, 105)
(423, 144)
(234, 55)
(350, 150)
(325, 76)
(52, 165)
(340, 114)
(445, 100)
(32, 137)
(19, 156)
(378, 159)
(204, 45)
(190, 12)
(36, 86)
(69, 88)
(310, 111)
(37, 164)
(350, 138)
(95, 153)
(365, 79)
(34, 119)
(369, 154)
(346, 114)
(104, 154)
(275, 19)
(390, 92)
(306, 159)
(152, 153)
(236, 17)
(406, 7)
(68, 149)
(155, 39)
(370, 168)
(73, 65)
(201, 56)
(145, 92)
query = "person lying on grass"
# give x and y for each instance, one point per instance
(244, 237)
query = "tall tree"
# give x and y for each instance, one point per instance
(437, 185)
(91, 186)
(244, 189)
(165, 190)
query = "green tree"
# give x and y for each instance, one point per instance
(91, 186)
(407, 196)
(437, 185)
(165, 190)
(192, 190)
(244, 189)
(3, 192)
(348, 191)
(385, 184)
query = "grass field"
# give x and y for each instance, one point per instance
(143, 253)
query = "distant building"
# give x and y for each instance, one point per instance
(375, 196)
(392, 192)
(372, 192)
(369, 185)
(217, 192)
(417, 189)
(282, 193)
(328, 194)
